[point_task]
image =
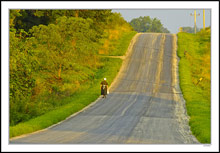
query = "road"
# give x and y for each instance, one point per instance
(145, 104)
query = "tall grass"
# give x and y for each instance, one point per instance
(88, 92)
(194, 72)
(118, 48)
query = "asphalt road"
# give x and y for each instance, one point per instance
(145, 104)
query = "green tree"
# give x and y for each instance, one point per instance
(59, 45)
(29, 18)
(21, 77)
(141, 24)
(156, 26)
(146, 24)
(13, 15)
(53, 52)
(165, 30)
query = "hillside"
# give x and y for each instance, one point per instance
(55, 57)
(194, 51)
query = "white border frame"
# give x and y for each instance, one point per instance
(214, 6)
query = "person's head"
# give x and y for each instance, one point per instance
(105, 79)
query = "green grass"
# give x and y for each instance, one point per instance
(86, 94)
(193, 66)
(81, 99)
(120, 46)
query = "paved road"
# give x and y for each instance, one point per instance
(145, 104)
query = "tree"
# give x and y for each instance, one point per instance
(13, 15)
(26, 19)
(165, 30)
(53, 52)
(59, 45)
(146, 24)
(21, 77)
(156, 26)
(141, 24)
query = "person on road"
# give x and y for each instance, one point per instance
(104, 87)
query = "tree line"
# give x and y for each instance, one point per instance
(53, 52)
(147, 24)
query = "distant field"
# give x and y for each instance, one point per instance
(194, 70)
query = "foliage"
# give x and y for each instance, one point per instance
(146, 24)
(54, 55)
(13, 15)
(117, 27)
(29, 18)
(86, 93)
(64, 42)
(194, 68)
(119, 47)
(21, 77)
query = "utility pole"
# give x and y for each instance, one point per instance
(203, 19)
(194, 18)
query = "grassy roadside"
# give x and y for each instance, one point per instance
(194, 71)
(119, 49)
(88, 93)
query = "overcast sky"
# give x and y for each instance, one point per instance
(171, 19)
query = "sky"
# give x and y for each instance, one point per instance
(171, 19)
